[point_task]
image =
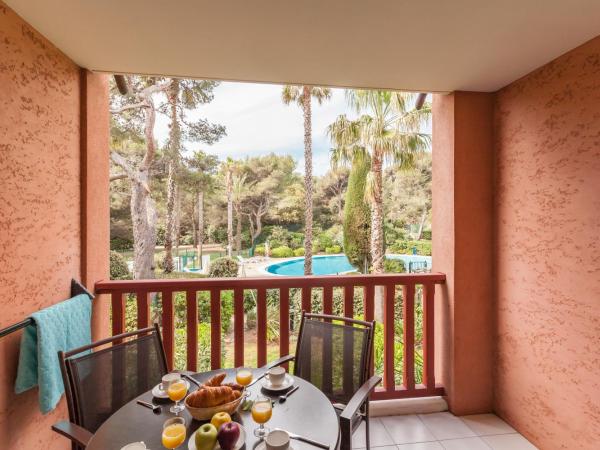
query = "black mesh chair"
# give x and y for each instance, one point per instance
(97, 383)
(334, 354)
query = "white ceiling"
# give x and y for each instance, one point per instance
(424, 45)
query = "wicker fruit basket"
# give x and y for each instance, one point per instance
(207, 413)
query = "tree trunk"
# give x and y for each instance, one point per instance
(422, 223)
(238, 234)
(308, 180)
(377, 255)
(229, 183)
(174, 148)
(200, 238)
(143, 216)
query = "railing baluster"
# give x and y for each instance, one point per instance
(388, 339)
(191, 307)
(261, 326)
(369, 302)
(328, 300)
(238, 326)
(349, 301)
(284, 322)
(428, 339)
(306, 299)
(118, 312)
(215, 328)
(143, 309)
(168, 331)
(408, 314)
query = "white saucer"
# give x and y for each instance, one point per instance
(239, 444)
(288, 382)
(159, 393)
(262, 445)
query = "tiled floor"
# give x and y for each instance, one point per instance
(441, 431)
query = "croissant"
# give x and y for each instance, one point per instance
(234, 386)
(215, 380)
(210, 396)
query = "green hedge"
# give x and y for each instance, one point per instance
(333, 249)
(406, 247)
(223, 267)
(299, 251)
(282, 252)
(118, 267)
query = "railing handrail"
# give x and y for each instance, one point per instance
(313, 281)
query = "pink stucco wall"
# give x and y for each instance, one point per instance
(547, 241)
(41, 211)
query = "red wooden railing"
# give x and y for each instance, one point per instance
(409, 283)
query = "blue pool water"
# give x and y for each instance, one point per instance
(335, 264)
(322, 265)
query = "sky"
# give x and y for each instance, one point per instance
(257, 123)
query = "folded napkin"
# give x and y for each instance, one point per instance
(64, 326)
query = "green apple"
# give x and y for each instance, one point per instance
(206, 437)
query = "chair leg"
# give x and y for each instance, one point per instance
(367, 426)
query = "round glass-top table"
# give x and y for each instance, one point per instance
(307, 412)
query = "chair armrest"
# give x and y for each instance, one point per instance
(359, 398)
(77, 434)
(352, 408)
(278, 362)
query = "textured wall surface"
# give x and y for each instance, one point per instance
(39, 207)
(548, 252)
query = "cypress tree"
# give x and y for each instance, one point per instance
(357, 215)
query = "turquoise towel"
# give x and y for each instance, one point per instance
(64, 326)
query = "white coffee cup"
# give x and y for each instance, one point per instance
(276, 375)
(277, 440)
(168, 379)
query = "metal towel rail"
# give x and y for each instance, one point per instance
(76, 289)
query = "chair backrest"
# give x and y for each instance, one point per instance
(334, 354)
(97, 383)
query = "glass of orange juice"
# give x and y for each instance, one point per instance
(176, 392)
(174, 431)
(243, 376)
(261, 413)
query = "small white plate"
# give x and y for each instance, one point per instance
(135, 446)
(159, 393)
(239, 444)
(262, 445)
(288, 382)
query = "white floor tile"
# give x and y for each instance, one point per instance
(487, 424)
(406, 429)
(422, 446)
(470, 443)
(445, 425)
(379, 435)
(509, 442)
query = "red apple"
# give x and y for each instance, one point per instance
(228, 435)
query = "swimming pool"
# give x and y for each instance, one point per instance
(322, 265)
(335, 264)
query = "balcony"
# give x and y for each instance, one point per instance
(413, 293)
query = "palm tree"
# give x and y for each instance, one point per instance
(303, 96)
(388, 129)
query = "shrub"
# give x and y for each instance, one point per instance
(426, 234)
(121, 244)
(279, 237)
(299, 251)
(224, 267)
(118, 267)
(394, 266)
(333, 249)
(406, 247)
(259, 250)
(282, 252)
(357, 216)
